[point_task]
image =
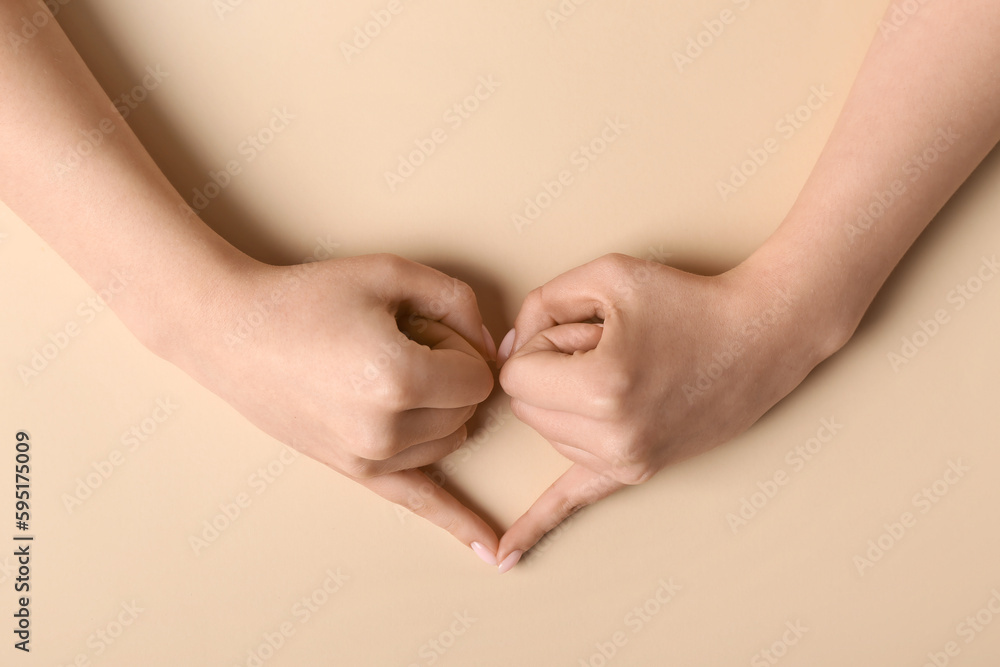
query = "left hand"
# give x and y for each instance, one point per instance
(681, 363)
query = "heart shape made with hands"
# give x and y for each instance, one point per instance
(582, 484)
(562, 366)
(543, 364)
(606, 362)
(538, 361)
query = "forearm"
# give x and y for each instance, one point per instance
(74, 171)
(923, 112)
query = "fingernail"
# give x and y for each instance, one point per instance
(485, 554)
(491, 347)
(510, 561)
(505, 345)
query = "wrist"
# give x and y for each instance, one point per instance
(188, 303)
(809, 301)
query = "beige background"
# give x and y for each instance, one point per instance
(651, 193)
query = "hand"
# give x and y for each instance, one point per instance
(314, 355)
(679, 363)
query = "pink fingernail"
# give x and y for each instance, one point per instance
(485, 554)
(505, 346)
(491, 347)
(510, 561)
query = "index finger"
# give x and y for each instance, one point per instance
(577, 295)
(418, 493)
(575, 489)
(419, 290)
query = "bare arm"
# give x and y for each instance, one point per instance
(311, 375)
(102, 207)
(923, 112)
(685, 362)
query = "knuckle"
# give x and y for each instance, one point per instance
(462, 293)
(570, 506)
(517, 409)
(631, 458)
(458, 437)
(417, 502)
(422, 503)
(633, 474)
(506, 377)
(453, 445)
(362, 468)
(615, 257)
(623, 274)
(484, 386)
(389, 263)
(375, 443)
(567, 508)
(534, 300)
(613, 392)
(448, 522)
(616, 261)
(396, 394)
(452, 295)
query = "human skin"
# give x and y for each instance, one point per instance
(624, 400)
(808, 286)
(305, 375)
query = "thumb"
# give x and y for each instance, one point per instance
(583, 294)
(576, 488)
(554, 369)
(418, 493)
(418, 291)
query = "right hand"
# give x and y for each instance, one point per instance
(315, 356)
